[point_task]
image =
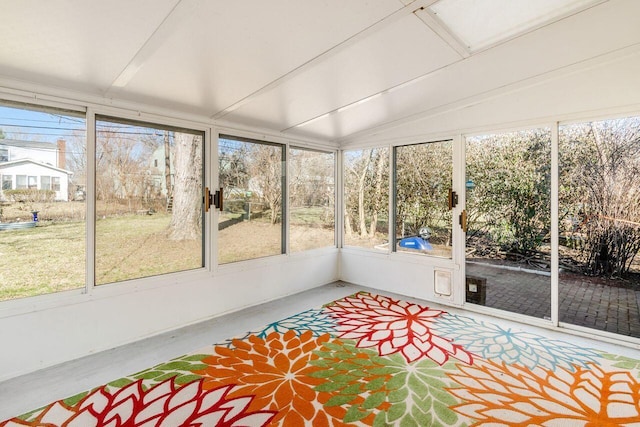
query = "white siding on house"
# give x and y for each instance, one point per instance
(43, 152)
(37, 171)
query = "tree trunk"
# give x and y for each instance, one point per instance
(186, 218)
(376, 196)
(361, 180)
(347, 223)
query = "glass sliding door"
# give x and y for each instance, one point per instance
(251, 223)
(508, 221)
(149, 210)
(422, 180)
(599, 225)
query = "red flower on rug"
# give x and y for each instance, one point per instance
(394, 326)
(164, 405)
(277, 371)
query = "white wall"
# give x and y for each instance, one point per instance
(34, 336)
(405, 274)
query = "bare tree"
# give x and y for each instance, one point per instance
(366, 179)
(186, 217)
(600, 172)
(266, 168)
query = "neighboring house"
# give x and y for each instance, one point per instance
(36, 165)
(157, 170)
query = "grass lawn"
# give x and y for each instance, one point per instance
(51, 257)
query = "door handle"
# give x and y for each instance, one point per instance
(212, 199)
(452, 199)
(462, 219)
(207, 199)
(217, 199)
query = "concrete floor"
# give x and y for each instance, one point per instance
(583, 301)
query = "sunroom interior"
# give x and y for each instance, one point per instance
(389, 126)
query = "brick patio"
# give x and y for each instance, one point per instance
(583, 301)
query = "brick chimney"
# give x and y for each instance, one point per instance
(62, 153)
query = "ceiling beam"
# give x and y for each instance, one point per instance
(182, 10)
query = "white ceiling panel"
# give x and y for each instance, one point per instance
(609, 87)
(75, 43)
(225, 50)
(398, 52)
(597, 31)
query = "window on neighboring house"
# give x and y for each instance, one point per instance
(4, 155)
(33, 182)
(139, 233)
(7, 182)
(21, 182)
(55, 183)
(311, 199)
(253, 175)
(45, 182)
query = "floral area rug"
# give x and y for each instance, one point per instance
(368, 360)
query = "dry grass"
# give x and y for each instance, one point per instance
(51, 257)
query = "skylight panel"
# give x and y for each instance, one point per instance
(479, 24)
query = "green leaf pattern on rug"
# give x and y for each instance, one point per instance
(181, 368)
(623, 362)
(394, 391)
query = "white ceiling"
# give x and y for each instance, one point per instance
(337, 70)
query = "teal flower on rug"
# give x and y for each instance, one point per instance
(314, 320)
(492, 342)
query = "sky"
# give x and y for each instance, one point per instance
(38, 126)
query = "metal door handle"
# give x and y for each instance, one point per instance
(463, 220)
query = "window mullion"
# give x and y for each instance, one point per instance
(90, 202)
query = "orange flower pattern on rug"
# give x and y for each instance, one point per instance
(277, 371)
(394, 326)
(498, 394)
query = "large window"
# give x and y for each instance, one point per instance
(366, 198)
(599, 225)
(423, 176)
(48, 255)
(508, 204)
(45, 182)
(252, 174)
(311, 199)
(7, 182)
(149, 219)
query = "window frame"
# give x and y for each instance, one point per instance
(336, 236)
(284, 148)
(158, 124)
